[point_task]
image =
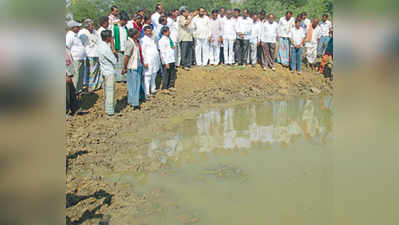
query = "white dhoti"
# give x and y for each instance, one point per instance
(228, 51)
(201, 52)
(311, 52)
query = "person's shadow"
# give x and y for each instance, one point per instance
(121, 104)
(88, 101)
(72, 200)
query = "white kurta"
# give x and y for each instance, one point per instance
(75, 45)
(244, 26)
(229, 29)
(285, 27)
(201, 27)
(150, 55)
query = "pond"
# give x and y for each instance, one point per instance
(248, 164)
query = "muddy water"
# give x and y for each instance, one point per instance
(255, 163)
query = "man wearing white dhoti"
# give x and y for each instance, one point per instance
(313, 34)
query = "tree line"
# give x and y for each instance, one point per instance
(93, 9)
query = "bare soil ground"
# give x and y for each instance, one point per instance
(97, 144)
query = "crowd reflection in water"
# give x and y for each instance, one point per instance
(252, 126)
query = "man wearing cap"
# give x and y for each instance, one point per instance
(75, 46)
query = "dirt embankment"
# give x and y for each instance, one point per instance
(97, 144)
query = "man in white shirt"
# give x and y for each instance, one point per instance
(113, 17)
(255, 39)
(167, 54)
(286, 24)
(90, 40)
(269, 38)
(78, 53)
(305, 21)
(325, 26)
(104, 25)
(155, 17)
(229, 37)
(244, 26)
(151, 60)
(311, 42)
(202, 34)
(297, 39)
(174, 34)
(120, 34)
(216, 38)
(107, 64)
(163, 21)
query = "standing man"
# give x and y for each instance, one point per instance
(107, 67)
(133, 67)
(113, 17)
(229, 37)
(222, 13)
(167, 53)
(163, 21)
(119, 33)
(174, 34)
(216, 38)
(104, 24)
(255, 39)
(185, 38)
(297, 39)
(202, 34)
(137, 23)
(262, 16)
(90, 40)
(325, 27)
(141, 12)
(151, 61)
(269, 38)
(78, 53)
(262, 20)
(236, 16)
(286, 25)
(311, 43)
(244, 27)
(306, 22)
(221, 16)
(155, 17)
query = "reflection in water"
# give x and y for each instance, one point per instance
(243, 127)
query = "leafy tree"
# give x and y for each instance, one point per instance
(93, 9)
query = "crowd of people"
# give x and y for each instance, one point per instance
(145, 50)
